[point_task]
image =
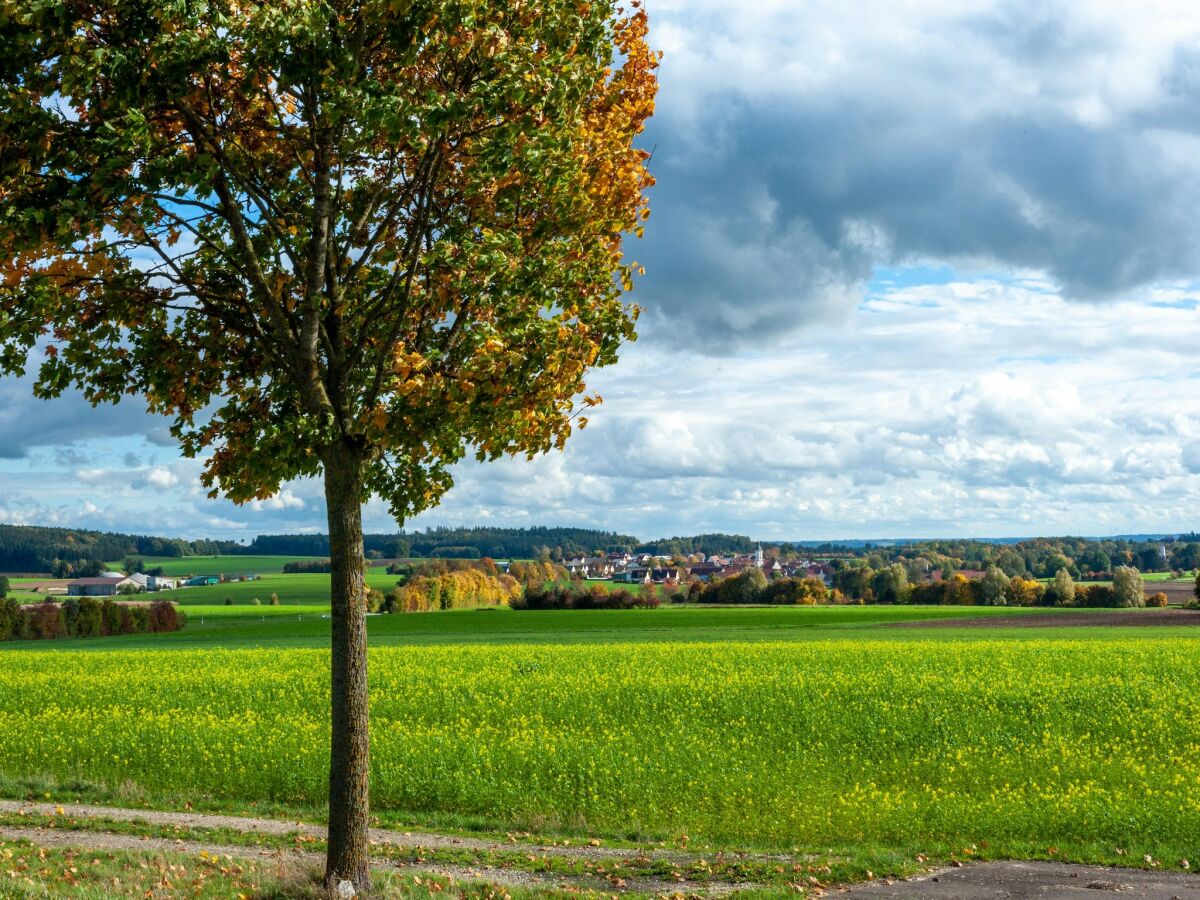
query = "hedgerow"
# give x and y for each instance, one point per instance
(83, 617)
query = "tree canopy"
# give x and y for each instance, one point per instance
(294, 223)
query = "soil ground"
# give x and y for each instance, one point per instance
(1130, 617)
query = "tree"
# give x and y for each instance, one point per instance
(1186, 557)
(961, 591)
(133, 564)
(891, 584)
(1149, 559)
(1127, 587)
(3, 586)
(1062, 590)
(1010, 563)
(994, 588)
(1054, 563)
(1025, 592)
(745, 587)
(853, 581)
(1095, 560)
(346, 240)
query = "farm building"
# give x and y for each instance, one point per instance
(153, 582)
(202, 581)
(103, 586)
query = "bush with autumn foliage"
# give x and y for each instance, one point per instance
(467, 588)
(574, 595)
(83, 617)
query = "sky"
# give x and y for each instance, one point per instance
(919, 268)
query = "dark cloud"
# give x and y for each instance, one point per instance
(27, 422)
(776, 198)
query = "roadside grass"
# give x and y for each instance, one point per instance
(30, 871)
(754, 873)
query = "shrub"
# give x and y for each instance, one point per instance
(929, 594)
(91, 618)
(163, 616)
(274, 599)
(229, 601)
(139, 619)
(85, 617)
(1094, 595)
(11, 620)
(463, 588)
(745, 587)
(117, 618)
(1026, 592)
(579, 596)
(256, 602)
(1159, 600)
(375, 600)
(318, 566)
(960, 591)
(44, 622)
(70, 608)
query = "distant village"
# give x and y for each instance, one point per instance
(644, 568)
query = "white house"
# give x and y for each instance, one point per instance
(153, 582)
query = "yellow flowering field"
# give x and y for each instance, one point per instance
(805, 743)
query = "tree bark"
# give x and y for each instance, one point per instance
(349, 749)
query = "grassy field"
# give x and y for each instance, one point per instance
(214, 565)
(293, 589)
(780, 727)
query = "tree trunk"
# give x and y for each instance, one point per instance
(349, 748)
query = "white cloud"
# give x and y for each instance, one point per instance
(285, 499)
(161, 477)
(873, 230)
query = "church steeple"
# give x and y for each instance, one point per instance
(758, 557)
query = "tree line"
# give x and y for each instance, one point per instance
(69, 552)
(82, 617)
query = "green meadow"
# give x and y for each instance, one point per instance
(214, 565)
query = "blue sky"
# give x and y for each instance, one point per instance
(913, 269)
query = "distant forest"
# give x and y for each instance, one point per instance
(76, 551)
(459, 543)
(29, 548)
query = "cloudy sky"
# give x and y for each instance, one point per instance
(915, 268)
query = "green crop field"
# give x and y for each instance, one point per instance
(214, 565)
(780, 727)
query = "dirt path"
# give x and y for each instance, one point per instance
(98, 839)
(1029, 880)
(1003, 880)
(246, 824)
